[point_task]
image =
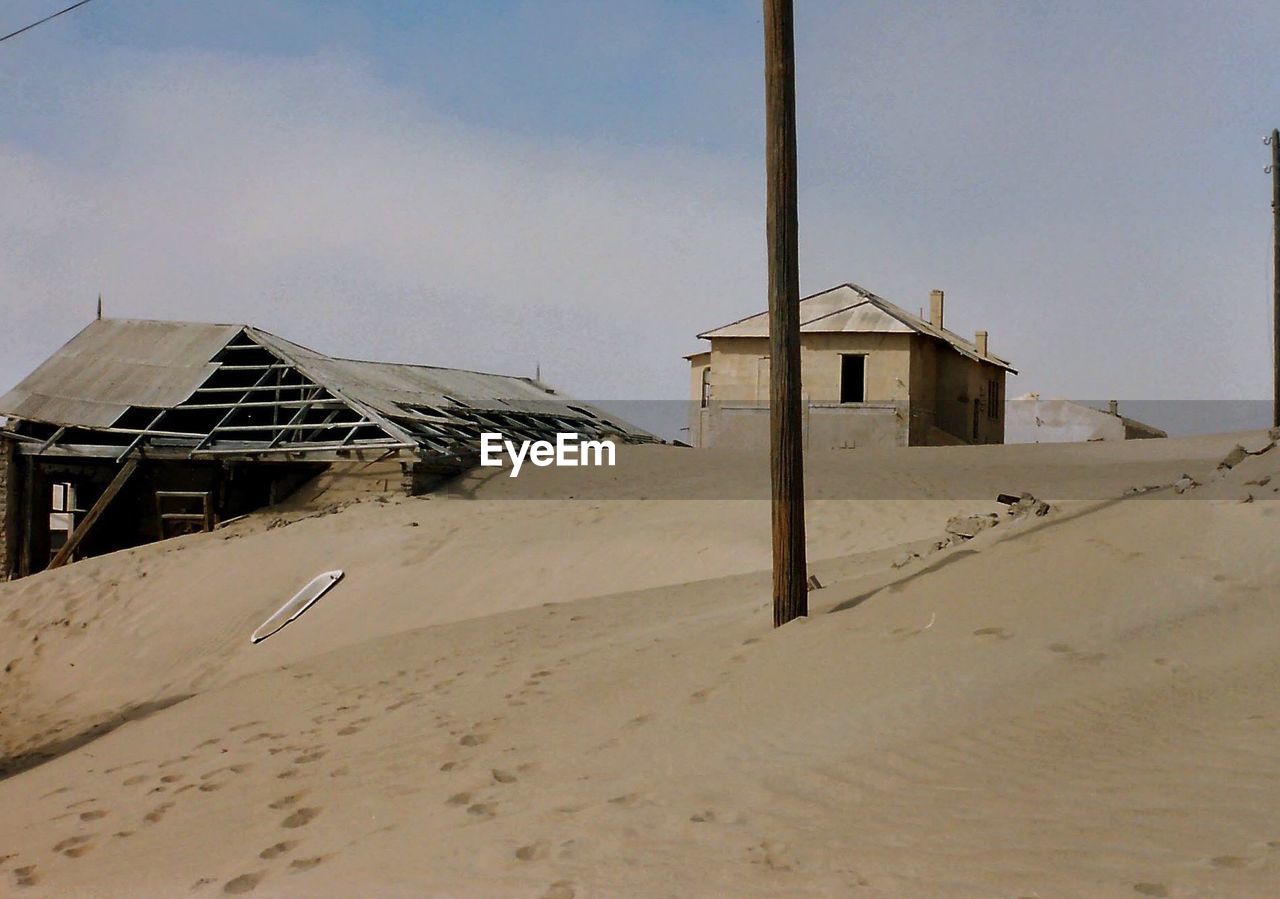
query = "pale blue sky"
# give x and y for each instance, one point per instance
(497, 185)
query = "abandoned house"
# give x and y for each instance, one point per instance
(871, 374)
(1035, 420)
(139, 430)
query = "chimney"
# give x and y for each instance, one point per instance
(980, 341)
(1113, 406)
(935, 308)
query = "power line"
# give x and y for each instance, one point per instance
(42, 21)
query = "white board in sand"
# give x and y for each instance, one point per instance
(302, 600)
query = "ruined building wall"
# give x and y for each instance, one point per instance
(8, 508)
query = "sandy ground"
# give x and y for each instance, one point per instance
(517, 694)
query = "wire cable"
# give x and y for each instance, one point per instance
(42, 21)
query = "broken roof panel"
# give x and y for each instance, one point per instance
(387, 386)
(114, 364)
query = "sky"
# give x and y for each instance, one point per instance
(579, 186)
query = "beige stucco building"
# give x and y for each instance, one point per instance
(871, 374)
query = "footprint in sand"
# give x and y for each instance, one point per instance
(348, 730)
(483, 809)
(244, 883)
(561, 889)
(300, 818)
(305, 864)
(473, 739)
(26, 876)
(773, 855)
(277, 850)
(1076, 656)
(234, 769)
(534, 852)
(1151, 889)
(992, 632)
(135, 780)
(1228, 861)
(93, 815)
(503, 777)
(70, 845)
(285, 801)
(154, 816)
(700, 695)
(310, 757)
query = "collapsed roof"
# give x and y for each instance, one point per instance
(206, 390)
(850, 308)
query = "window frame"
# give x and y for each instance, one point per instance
(865, 357)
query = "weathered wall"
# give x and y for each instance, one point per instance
(888, 369)
(697, 365)
(918, 391)
(823, 425)
(944, 389)
(740, 367)
(8, 509)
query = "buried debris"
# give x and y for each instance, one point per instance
(301, 601)
(813, 583)
(1024, 504)
(970, 526)
(1233, 458)
(966, 527)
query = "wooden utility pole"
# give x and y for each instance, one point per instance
(1275, 277)
(790, 592)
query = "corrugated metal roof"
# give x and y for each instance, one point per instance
(383, 385)
(114, 364)
(850, 308)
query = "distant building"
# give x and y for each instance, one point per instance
(1030, 419)
(139, 430)
(872, 374)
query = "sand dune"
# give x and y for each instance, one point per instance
(516, 694)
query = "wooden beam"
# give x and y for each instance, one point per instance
(790, 592)
(90, 519)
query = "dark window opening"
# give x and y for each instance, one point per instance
(994, 400)
(853, 378)
(706, 387)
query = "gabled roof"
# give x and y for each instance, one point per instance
(234, 388)
(849, 308)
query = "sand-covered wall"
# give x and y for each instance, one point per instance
(8, 508)
(944, 387)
